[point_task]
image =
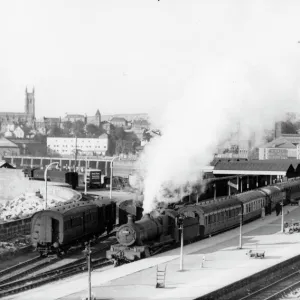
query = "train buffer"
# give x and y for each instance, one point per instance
(161, 276)
(256, 253)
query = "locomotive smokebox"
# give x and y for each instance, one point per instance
(130, 219)
(146, 217)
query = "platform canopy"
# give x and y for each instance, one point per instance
(254, 168)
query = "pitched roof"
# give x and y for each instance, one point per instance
(4, 164)
(284, 139)
(103, 136)
(74, 116)
(141, 122)
(118, 119)
(254, 167)
(5, 143)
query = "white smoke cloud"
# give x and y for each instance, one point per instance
(252, 79)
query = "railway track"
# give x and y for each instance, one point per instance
(277, 289)
(50, 276)
(38, 271)
(23, 269)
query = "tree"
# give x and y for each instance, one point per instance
(146, 135)
(67, 126)
(78, 128)
(55, 131)
(289, 128)
(94, 131)
(40, 138)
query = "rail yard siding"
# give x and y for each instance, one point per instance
(15, 228)
(7, 254)
(254, 282)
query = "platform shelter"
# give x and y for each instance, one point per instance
(256, 173)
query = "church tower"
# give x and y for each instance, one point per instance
(30, 103)
(98, 118)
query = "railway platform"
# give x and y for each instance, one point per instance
(209, 265)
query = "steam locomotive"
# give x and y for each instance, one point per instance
(160, 229)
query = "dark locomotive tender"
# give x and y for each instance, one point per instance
(159, 229)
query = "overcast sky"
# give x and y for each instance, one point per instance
(127, 56)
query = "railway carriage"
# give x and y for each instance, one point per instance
(213, 218)
(292, 190)
(274, 195)
(220, 215)
(252, 204)
(56, 229)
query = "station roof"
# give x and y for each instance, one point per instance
(254, 167)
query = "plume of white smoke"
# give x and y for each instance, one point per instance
(253, 82)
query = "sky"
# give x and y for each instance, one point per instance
(131, 56)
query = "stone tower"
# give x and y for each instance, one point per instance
(98, 118)
(30, 103)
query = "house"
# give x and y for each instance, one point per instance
(7, 126)
(284, 147)
(8, 148)
(45, 123)
(118, 122)
(106, 126)
(19, 133)
(73, 118)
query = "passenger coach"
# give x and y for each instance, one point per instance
(55, 230)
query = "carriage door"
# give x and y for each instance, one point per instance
(55, 230)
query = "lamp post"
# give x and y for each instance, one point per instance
(87, 251)
(45, 177)
(180, 227)
(282, 218)
(111, 176)
(75, 162)
(241, 224)
(85, 177)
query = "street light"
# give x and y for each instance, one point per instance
(85, 177)
(111, 175)
(87, 251)
(45, 177)
(241, 224)
(282, 217)
(180, 227)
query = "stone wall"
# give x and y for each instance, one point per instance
(14, 229)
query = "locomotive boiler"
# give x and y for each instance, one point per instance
(143, 238)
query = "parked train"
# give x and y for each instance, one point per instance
(95, 178)
(160, 228)
(56, 229)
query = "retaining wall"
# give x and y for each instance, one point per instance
(15, 228)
